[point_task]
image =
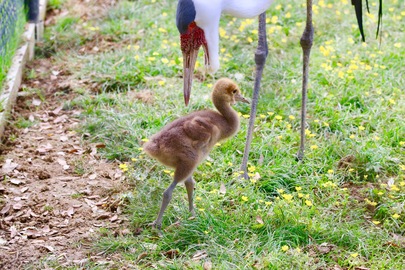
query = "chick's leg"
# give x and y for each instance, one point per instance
(183, 171)
(190, 184)
(167, 196)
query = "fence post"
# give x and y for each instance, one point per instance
(33, 10)
(40, 22)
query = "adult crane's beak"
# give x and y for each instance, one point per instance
(189, 60)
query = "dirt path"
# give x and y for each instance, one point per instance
(56, 192)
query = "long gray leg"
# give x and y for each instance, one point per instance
(167, 196)
(306, 44)
(190, 184)
(183, 171)
(260, 59)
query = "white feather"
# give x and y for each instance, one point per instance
(208, 14)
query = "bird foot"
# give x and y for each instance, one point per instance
(156, 226)
(299, 156)
(192, 210)
(244, 175)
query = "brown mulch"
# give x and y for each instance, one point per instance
(56, 191)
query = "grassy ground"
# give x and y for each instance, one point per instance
(343, 206)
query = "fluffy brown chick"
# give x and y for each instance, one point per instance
(184, 143)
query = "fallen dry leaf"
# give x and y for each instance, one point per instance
(3, 241)
(199, 255)
(63, 163)
(63, 138)
(57, 110)
(256, 176)
(13, 231)
(259, 220)
(100, 145)
(171, 254)
(142, 255)
(5, 209)
(325, 248)
(70, 211)
(49, 248)
(207, 265)
(17, 206)
(61, 118)
(222, 189)
(9, 166)
(44, 148)
(36, 102)
(16, 181)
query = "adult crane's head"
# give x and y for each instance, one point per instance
(197, 22)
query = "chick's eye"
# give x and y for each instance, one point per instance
(234, 91)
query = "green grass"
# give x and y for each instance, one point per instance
(356, 105)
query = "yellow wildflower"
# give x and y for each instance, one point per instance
(308, 203)
(394, 188)
(280, 190)
(354, 255)
(252, 168)
(123, 167)
(287, 197)
(396, 216)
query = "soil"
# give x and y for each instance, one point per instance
(56, 191)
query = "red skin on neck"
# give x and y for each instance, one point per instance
(192, 39)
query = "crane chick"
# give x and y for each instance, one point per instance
(184, 143)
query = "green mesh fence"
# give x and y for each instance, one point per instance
(10, 13)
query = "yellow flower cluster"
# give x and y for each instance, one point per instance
(329, 184)
(123, 167)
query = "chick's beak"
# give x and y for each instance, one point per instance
(189, 60)
(239, 97)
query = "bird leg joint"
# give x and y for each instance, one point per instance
(307, 37)
(260, 57)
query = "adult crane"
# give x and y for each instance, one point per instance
(198, 24)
